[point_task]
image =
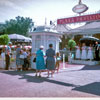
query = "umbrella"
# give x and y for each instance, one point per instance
(89, 40)
(19, 38)
(16, 37)
(27, 39)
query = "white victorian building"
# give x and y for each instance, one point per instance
(44, 35)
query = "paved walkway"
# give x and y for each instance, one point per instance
(73, 81)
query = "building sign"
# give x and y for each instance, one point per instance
(85, 18)
(80, 8)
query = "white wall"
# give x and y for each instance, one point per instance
(44, 39)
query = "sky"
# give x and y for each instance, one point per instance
(41, 10)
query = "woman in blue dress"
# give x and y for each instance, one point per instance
(40, 65)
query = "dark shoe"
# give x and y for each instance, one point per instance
(48, 77)
(36, 75)
(39, 75)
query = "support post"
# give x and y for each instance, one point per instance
(63, 61)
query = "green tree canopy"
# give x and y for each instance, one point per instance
(4, 39)
(71, 44)
(19, 25)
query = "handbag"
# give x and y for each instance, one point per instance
(21, 57)
(34, 60)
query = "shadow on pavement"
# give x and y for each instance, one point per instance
(29, 78)
(60, 83)
(91, 67)
(17, 72)
(32, 78)
(93, 88)
(43, 79)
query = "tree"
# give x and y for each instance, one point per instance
(4, 39)
(77, 38)
(97, 35)
(71, 44)
(64, 39)
(2, 28)
(19, 25)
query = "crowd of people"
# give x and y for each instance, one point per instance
(21, 63)
(86, 53)
(23, 57)
(44, 61)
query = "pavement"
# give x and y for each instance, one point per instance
(71, 81)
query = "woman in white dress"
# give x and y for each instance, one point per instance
(78, 54)
(90, 53)
(3, 58)
(84, 53)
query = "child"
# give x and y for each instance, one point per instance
(58, 58)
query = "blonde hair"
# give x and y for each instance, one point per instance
(57, 54)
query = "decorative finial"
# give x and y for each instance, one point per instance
(80, 1)
(45, 21)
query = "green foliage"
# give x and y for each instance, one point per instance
(19, 25)
(66, 58)
(4, 39)
(77, 38)
(71, 44)
(97, 35)
(12, 59)
(65, 39)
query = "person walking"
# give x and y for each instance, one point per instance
(8, 55)
(96, 51)
(40, 64)
(50, 60)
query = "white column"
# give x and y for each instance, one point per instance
(63, 61)
(33, 43)
(44, 41)
(33, 65)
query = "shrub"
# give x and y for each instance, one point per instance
(4, 39)
(71, 44)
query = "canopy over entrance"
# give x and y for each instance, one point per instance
(89, 40)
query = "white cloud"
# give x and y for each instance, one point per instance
(8, 4)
